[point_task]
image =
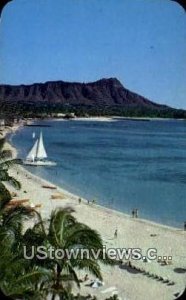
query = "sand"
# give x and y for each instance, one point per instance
(132, 233)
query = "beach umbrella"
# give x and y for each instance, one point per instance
(2, 4)
(97, 283)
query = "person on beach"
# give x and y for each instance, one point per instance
(115, 233)
(86, 277)
(79, 200)
(185, 225)
(133, 213)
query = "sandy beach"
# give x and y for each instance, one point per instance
(132, 233)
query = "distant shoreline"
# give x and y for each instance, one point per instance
(101, 119)
(148, 221)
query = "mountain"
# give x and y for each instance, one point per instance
(102, 92)
(105, 95)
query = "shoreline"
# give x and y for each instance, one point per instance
(9, 146)
(84, 200)
(99, 207)
(132, 233)
(111, 118)
(116, 118)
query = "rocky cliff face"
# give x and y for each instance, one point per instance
(104, 92)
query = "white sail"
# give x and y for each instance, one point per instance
(41, 152)
(32, 154)
(37, 155)
(33, 135)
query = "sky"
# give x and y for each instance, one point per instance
(140, 42)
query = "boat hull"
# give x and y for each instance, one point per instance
(39, 163)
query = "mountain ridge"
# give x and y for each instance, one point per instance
(105, 90)
(104, 96)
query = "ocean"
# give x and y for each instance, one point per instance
(121, 164)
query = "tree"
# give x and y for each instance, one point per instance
(5, 163)
(11, 227)
(63, 232)
(19, 278)
(37, 279)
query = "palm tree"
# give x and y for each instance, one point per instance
(20, 278)
(64, 232)
(5, 163)
(11, 235)
(37, 279)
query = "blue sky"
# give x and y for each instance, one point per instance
(141, 42)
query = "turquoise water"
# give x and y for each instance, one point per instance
(121, 164)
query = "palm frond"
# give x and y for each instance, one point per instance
(6, 164)
(40, 222)
(14, 182)
(82, 235)
(13, 218)
(2, 142)
(70, 272)
(90, 266)
(7, 238)
(60, 219)
(5, 196)
(25, 282)
(32, 237)
(4, 175)
(5, 154)
(39, 274)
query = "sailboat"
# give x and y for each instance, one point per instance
(37, 156)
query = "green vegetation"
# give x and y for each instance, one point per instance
(22, 278)
(37, 279)
(42, 110)
(64, 232)
(5, 163)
